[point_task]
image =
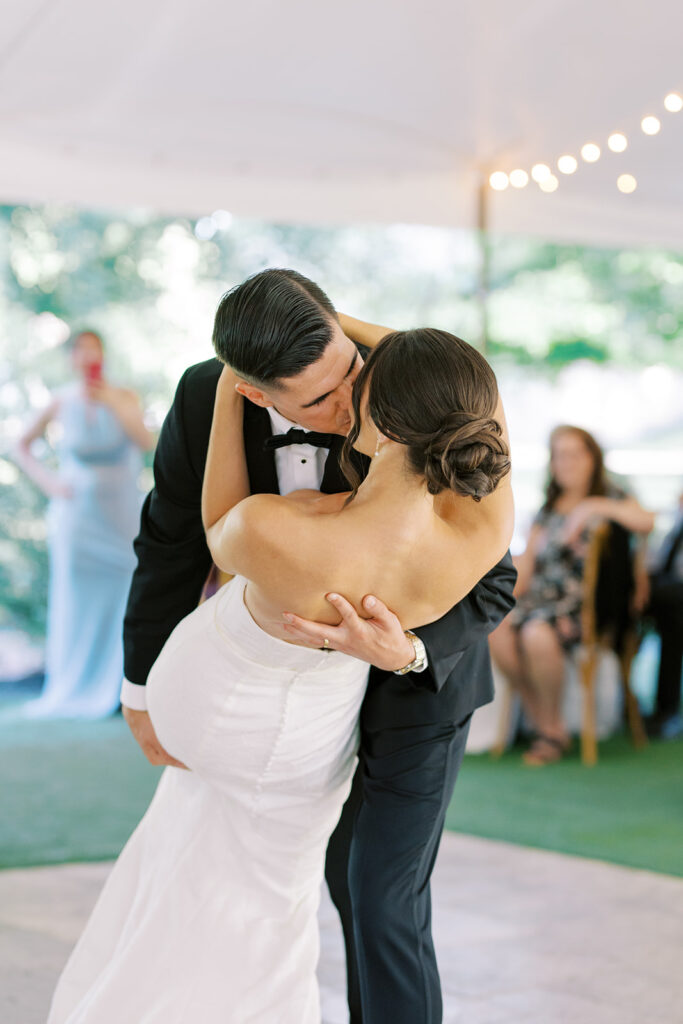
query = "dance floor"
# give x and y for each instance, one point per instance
(522, 935)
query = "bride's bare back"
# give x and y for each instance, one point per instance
(419, 556)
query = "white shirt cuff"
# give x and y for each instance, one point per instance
(134, 696)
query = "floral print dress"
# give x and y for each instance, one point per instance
(555, 592)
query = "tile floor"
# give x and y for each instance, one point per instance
(522, 936)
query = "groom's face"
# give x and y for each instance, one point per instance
(318, 398)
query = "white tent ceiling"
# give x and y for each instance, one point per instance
(370, 110)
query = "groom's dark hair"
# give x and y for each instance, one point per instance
(272, 326)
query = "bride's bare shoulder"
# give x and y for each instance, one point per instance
(271, 514)
(274, 534)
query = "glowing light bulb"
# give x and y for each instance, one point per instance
(205, 229)
(673, 102)
(222, 219)
(567, 164)
(617, 142)
(499, 181)
(590, 152)
(548, 184)
(519, 178)
(650, 125)
(539, 172)
(627, 183)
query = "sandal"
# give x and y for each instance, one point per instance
(545, 750)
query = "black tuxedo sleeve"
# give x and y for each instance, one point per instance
(173, 559)
(470, 620)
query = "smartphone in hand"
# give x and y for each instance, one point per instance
(93, 373)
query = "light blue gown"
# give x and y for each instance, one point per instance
(90, 541)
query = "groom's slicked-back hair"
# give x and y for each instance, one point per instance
(272, 326)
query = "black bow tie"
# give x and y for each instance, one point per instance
(297, 436)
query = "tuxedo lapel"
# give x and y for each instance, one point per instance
(260, 463)
(334, 481)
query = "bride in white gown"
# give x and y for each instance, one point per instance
(209, 914)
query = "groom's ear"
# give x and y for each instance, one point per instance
(254, 394)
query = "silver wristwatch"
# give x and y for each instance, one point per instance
(419, 663)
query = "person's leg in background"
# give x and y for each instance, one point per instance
(544, 661)
(407, 785)
(506, 653)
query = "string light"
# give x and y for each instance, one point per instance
(567, 164)
(626, 183)
(650, 124)
(519, 178)
(617, 142)
(590, 152)
(499, 181)
(539, 172)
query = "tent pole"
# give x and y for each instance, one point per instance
(484, 261)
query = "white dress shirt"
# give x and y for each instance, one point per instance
(298, 466)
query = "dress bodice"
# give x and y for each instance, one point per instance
(101, 465)
(91, 433)
(554, 556)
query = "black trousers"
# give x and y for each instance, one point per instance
(379, 863)
(666, 608)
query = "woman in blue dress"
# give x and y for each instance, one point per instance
(93, 518)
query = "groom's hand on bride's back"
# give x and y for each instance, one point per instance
(379, 639)
(141, 726)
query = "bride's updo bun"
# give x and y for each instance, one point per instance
(435, 394)
(468, 456)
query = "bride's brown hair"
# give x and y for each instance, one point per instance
(435, 394)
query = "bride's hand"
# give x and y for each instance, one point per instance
(379, 640)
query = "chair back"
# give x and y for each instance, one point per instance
(607, 621)
(614, 620)
(591, 573)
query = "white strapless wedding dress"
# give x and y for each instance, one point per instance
(210, 913)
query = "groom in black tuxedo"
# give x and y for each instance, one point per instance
(281, 335)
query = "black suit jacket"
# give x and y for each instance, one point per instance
(173, 562)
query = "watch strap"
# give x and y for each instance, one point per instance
(419, 663)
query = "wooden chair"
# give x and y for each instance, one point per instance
(595, 641)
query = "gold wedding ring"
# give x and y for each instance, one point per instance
(326, 644)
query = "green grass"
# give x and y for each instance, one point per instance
(69, 790)
(75, 791)
(627, 809)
